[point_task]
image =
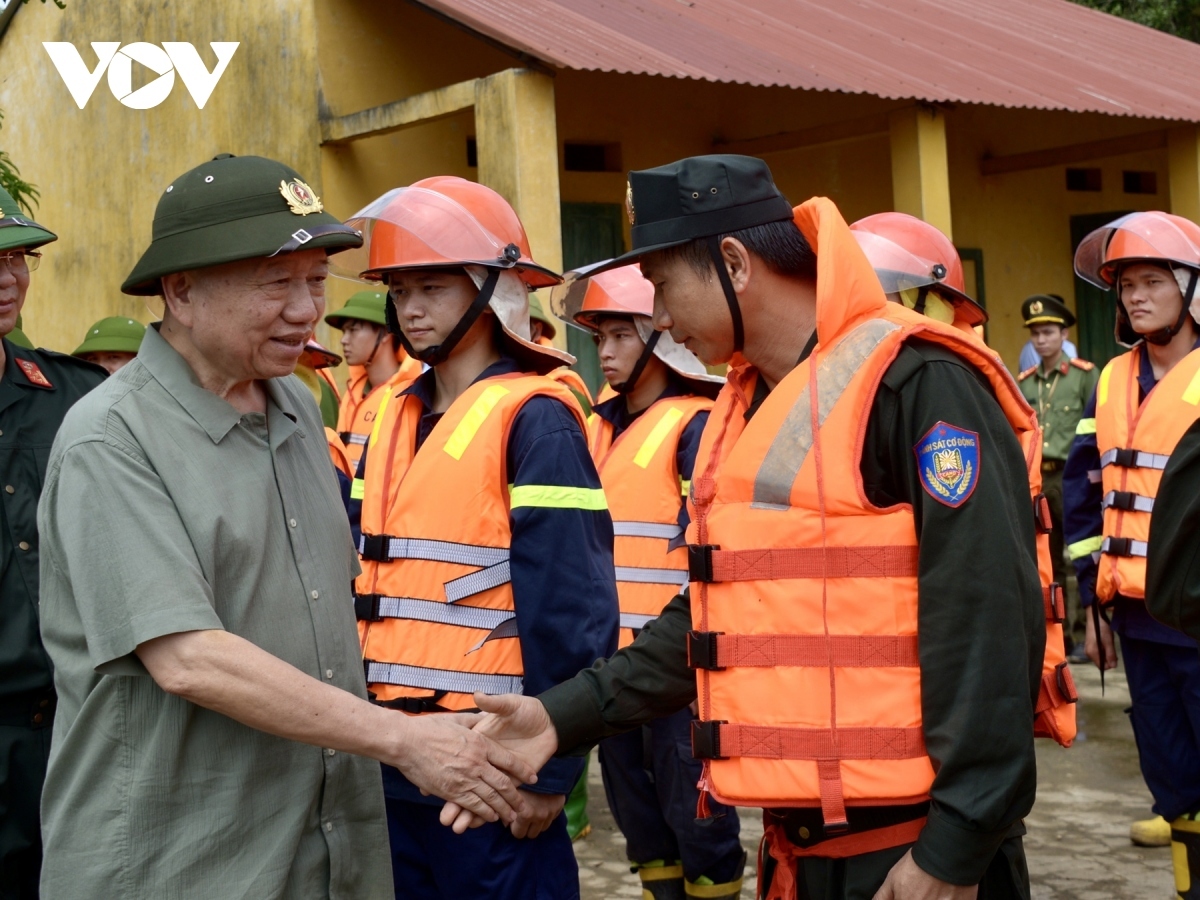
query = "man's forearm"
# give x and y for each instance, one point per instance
(648, 679)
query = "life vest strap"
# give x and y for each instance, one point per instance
(1119, 546)
(478, 582)
(441, 679)
(349, 437)
(1057, 688)
(709, 563)
(1055, 603)
(636, 621)
(376, 607)
(715, 650)
(640, 575)
(723, 740)
(1128, 501)
(647, 530)
(385, 548)
(1129, 458)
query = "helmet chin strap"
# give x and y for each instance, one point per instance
(1164, 335)
(735, 311)
(439, 353)
(627, 386)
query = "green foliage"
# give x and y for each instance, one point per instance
(21, 190)
(1177, 17)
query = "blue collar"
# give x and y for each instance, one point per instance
(423, 387)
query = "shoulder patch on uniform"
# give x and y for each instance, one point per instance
(33, 372)
(948, 463)
(1083, 364)
(1022, 376)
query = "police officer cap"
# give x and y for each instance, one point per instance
(698, 197)
(17, 230)
(365, 306)
(1046, 309)
(233, 208)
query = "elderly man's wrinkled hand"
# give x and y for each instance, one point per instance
(442, 756)
(519, 724)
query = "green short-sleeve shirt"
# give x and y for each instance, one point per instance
(165, 510)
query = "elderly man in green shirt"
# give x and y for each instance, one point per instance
(213, 726)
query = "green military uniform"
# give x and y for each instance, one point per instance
(18, 337)
(1058, 395)
(37, 388)
(1173, 560)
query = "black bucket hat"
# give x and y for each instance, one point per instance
(232, 208)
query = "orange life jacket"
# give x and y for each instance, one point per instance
(356, 413)
(801, 588)
(1135, 441)
(645, 493)
(434, 600)
(337, 452)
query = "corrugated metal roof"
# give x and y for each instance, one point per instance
(1041, 54)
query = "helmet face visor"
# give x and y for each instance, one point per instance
(621, 292)
(416, 228)
(897, 268)
(1148, 236)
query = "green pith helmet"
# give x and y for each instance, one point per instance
(18, 231)
(233, 208)
(116, 334)
(366, 306)
(537, 313)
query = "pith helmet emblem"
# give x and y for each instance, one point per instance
(1036, 307)
(301, 199)
(629, 210)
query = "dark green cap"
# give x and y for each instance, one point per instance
(116, 334)
(16, 230)
(365, 306)
(1046, 309)
(232, 208)
(549, 329)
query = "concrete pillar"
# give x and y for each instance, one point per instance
(1183, 166)
(920, 173)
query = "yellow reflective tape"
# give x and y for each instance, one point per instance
(358, 489)
(657, 435)
(1192, 394)
(685, 487)
(1086, 426)
(458, 442)
(1086, 547)
(729, 889)
(1102, 388)
(553, 496)
(383, 405)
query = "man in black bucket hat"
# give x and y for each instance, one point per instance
(796, 705)
(197, 564)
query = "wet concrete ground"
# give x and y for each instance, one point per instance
(1078, 843)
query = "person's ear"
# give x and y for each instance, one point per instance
(179, 297)
(738, 263)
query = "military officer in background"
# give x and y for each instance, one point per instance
(1058, 388)
(112, 342)
(37, 387)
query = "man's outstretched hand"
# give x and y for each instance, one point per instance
(520, 726)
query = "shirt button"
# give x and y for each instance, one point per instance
(804, 834)
(329, 826)
(8, 488)
(329, 673)
(292, 522)
(330, 751)
(314, 595)
(38, 718)
(24, 545)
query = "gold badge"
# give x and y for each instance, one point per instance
(1036, 307)
(301, 199)
(629, 210)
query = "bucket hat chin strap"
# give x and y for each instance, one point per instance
(627, 386)
(735, 311)
(1164, 335)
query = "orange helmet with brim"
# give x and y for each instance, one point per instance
(908, 253)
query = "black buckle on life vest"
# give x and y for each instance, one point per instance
(1058, 603)
(702, 650)
(1119, 546)
(1066, 684)
(1126, 457)
(706, 741)
(700, 566)
(366, 607)
(375, 547)
(1123, 500)
(1041, 514)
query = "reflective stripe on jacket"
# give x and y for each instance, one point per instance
(1135, 441)
(435, 597)
(645, 492)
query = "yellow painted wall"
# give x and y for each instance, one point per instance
(101, 169)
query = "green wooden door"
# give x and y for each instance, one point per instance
(590, 232)
(1095, 309)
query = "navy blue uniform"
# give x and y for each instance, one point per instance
(650, 775)
(1161, 664)
(560, 559)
